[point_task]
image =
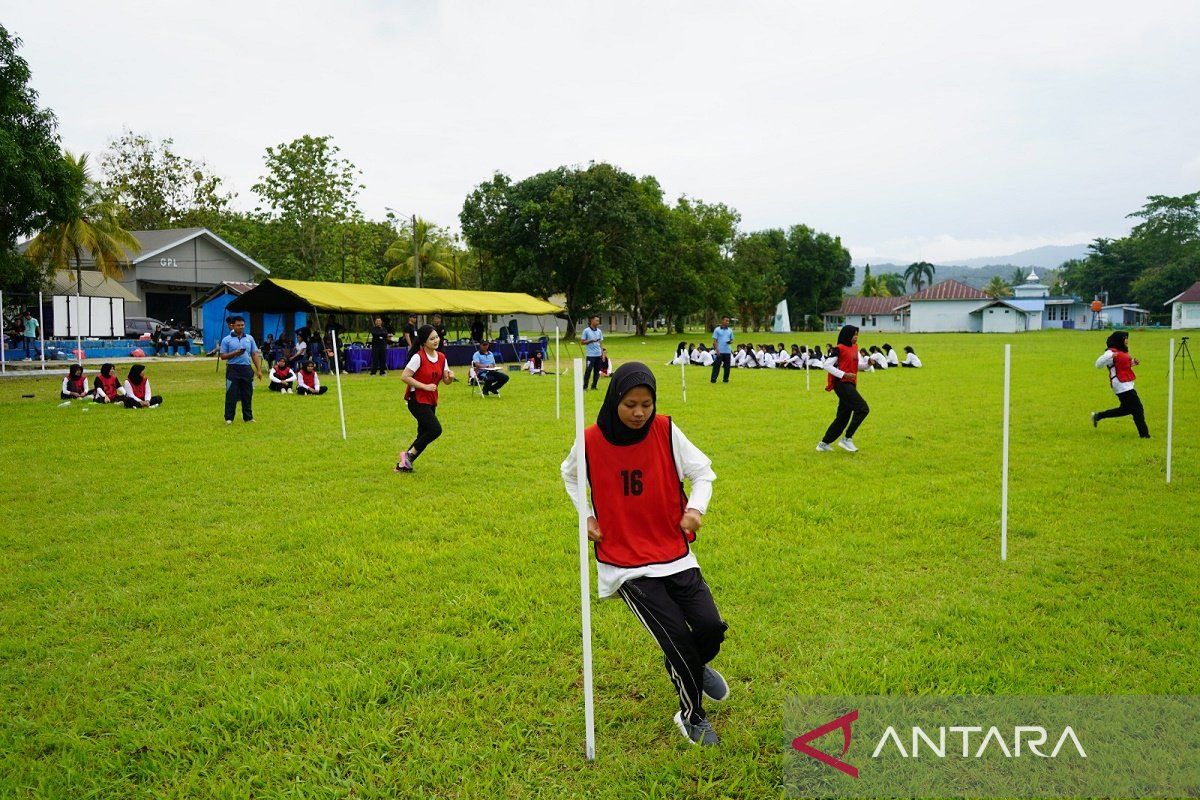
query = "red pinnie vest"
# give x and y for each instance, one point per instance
(638, 498)
(78, 386)
(847, 361)
(139, 389)
(307, 379)
(1122, 367)
(427, 372)
(108, 385)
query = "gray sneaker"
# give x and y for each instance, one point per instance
(824, 448)
(701, 733)
(716, 688)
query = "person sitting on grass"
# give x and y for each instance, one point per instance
(681, 356)
(74, 385)
(605, 363)
(877, 358)
(490, 378)
(893, 358)
(910, 359)
(864, 361)
(534, 364)
(137, 390)
(283, 380)
(308, 382)
(107, 387)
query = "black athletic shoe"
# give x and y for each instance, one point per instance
(715, 686)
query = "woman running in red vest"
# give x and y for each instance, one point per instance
(1120, 377)
(643, 526)
(427, 367)
(843, 381)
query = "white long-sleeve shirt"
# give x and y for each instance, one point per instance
(879, 360)
(690, 464)
(705, 359)
(129, 390)
(893, 359)
(316, 382)
(1105, 362)
(912, 360)
(291, 378)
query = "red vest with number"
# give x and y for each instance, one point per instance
(108, 385)
(638, 498)
(139, 389)
(1122, 367)
(847, 361)
(427, 372)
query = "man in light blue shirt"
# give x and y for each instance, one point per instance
(490, 378)
(591, 338)
(238, 350)
(723, 354)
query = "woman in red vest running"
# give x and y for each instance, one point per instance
(427, 367)
(843, 381)
(643, 525)
(1120, 377)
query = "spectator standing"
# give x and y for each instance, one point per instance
(410, 335)
(591, 338)
(239, 351)
(30, 334)
(436, 322)
(477, 329)
(380, 336)
(723, 355)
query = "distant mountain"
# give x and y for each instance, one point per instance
(978, 271)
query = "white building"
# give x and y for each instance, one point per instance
(1124, 315)
(1185, 308)
(946, 307)
(869, 314)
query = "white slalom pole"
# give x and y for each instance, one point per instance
(337, 374)
(557, 379)
(3, 362)
(807, 379)
(1170, 403)
(683, 378)
(585, 581)
(41, 318)
(1004, 469)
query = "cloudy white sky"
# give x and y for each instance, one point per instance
(936, 130)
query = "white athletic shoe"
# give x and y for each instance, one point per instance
(824, 448)
(847, 445)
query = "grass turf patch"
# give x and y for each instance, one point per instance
(195, 609)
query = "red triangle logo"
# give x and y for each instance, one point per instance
(801, 743)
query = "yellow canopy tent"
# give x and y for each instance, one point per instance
(276, 294)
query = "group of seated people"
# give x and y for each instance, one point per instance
(299, 349)
(285, 380)
(108, 389)
(178, 343)
(766, 356)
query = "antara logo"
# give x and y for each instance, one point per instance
(1029, 737)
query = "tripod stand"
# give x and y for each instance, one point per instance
(1184, 352)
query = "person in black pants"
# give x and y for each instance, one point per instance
(843, 381)
(426, 369)
(722, 355)
(238, 351)
(591, 338)
(380, 336)
(1121, 378)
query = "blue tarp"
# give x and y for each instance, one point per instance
(212, 320)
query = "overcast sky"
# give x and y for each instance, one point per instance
(935, 131)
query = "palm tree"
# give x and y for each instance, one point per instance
(892, 283)
(87, 225)
(871, 287)
(997, 287)
(432, 255)
(919, 273)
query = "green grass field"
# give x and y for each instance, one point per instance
(190, 609)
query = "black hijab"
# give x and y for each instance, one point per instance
(628, 376)
(846, 335)
(1119, 340)
(106, 370)
(135, 375)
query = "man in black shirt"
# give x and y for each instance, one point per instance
(410, 334)
(436, 322)
(477, 329)
(380, 336)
